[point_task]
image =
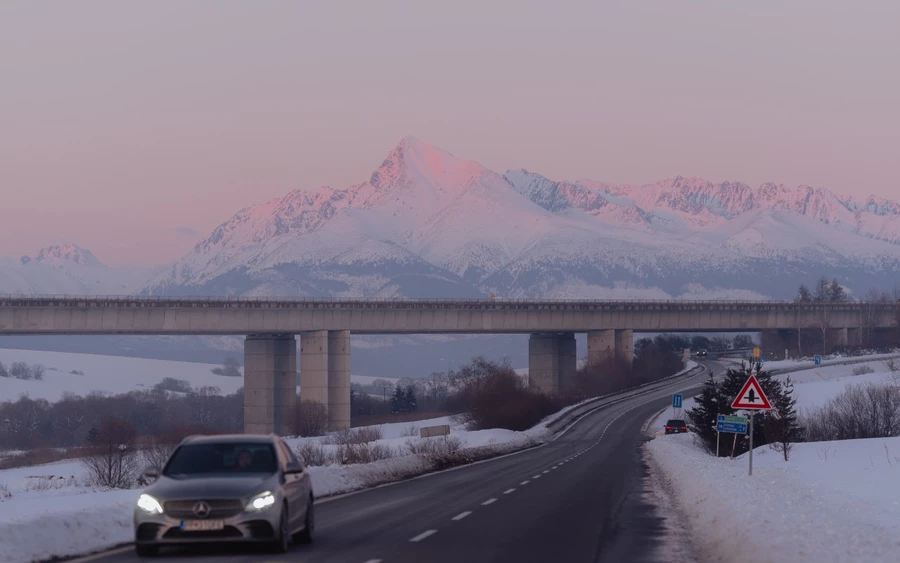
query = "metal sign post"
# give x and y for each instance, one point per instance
(751, 443)
(751, 398)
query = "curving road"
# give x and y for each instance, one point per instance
(577, 499)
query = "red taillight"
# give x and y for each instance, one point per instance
(668, 427)
(684, 428)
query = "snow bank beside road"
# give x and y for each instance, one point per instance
(51, 513)
(833, 501)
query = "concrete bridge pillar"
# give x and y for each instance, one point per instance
(625, 345)
(270, 383)
(314, 367)
(338, 379)
(854, 337)
(837, 337)
(601, 346)
(551, 361)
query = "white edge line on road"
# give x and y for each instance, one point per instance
(423, 535)
(101, 555)
(461, 515)
(489, 501)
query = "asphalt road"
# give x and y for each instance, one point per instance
(576, 499)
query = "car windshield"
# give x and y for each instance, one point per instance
(226, 458)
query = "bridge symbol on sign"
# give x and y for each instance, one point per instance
(751, 396)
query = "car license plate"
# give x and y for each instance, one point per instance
(202, 525)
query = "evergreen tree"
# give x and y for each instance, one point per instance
(823, 290)
(709, 404)
(836, 292)
(781, 428)
(803, 294)
(398, 400)
(411, 405)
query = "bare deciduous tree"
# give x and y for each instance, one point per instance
(113, 459)
(311, 418)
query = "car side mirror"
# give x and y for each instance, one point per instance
(294, 468)
(151, 472)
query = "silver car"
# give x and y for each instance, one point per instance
(242, 488)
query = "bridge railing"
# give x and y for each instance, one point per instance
(524, 301)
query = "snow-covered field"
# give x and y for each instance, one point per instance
(48, 511)
(832, 501)
(110, 374)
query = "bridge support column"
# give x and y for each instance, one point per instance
(854, 337)
(314, 367)
(837, 337)
(551, 361)
(338, 379)
(270, 383)
(601, 346)
(625, 345)
(776, 342)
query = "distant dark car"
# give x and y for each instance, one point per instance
(675, 426)
(701, 354)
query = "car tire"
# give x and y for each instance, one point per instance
(282, 535)
(146, 550)
(305, 536)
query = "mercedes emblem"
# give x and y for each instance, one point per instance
(201, 509)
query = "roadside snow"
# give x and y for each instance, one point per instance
(49, 512)
(831, 502)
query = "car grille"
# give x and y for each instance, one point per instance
(218, 509)
(147, 532)
(179, 534)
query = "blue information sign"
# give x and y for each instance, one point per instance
(732, 424)
(818, 360)
(676, 401)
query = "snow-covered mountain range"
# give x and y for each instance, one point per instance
(68, 269)
(428, 224)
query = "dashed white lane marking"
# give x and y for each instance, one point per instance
(461, 515)
(423, 535)
(546, 471)
(374, 561)
(536, 477)
(554, 467)
(525, 482)
(507, 491)
(489, 501)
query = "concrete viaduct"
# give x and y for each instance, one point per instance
(270, 326)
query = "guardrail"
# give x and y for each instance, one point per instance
(580, 410)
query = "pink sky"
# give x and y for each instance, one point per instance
(129, 128)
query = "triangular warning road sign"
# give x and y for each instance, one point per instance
(751, 396)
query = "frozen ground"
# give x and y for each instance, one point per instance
(831, 502)
(110, 374)
(48, 511)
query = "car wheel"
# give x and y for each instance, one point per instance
(146, 550)
(283, 535)
(309, 525)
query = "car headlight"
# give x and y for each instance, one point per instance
(149, 505)
(260, 502)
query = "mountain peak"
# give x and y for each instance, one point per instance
(67, 254)
(415, 162)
